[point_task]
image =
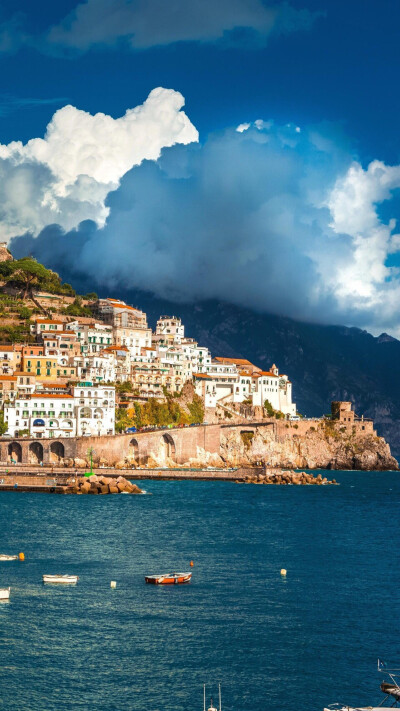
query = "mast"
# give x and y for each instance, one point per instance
(219, 691)
(204, 697)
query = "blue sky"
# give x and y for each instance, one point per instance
(344, 70)
(326, 67)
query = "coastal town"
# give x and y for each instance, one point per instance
(68, 381)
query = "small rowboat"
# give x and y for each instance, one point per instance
(5, 593)
(61, 579)
(168, 579)
(3, 556)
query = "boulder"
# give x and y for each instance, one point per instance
(120, 464)
(85, 487)
(104, 489)
(93, 478)
(79, 463)
(113, 489)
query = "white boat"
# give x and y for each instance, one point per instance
(61, 579)
(3, 556)
(390, 689)
(5, 593)
(211, 707)
(339, 707)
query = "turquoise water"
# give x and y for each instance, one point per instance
(294, 644)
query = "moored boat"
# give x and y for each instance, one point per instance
(168, 579)
(5, 593)
(3, 557)
(390, 689)
(60, 579)
(212, 707)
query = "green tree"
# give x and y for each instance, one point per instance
(3, 424)
(26, 275)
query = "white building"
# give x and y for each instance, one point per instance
(86, 410)
(95, 408)
(237, 380)
(43, 415)
(93, 338)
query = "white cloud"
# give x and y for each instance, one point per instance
(81, 158)
(243, 127)
(353, 205)
(267, 217)
(148, 23)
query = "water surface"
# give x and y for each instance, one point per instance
(274, 643)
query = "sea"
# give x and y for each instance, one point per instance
(275, 643)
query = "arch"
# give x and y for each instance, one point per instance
(134, 449)
(15, 452)
(35, 454)
(57, 452)
(98, 413)
(67, 425)
(86, 412)
(168, 446)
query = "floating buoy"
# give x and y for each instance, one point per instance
(283, 571)
(191, 564)
(113, 584)
(21, 556)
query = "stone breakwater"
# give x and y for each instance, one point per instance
(285, 478)
(102, 485)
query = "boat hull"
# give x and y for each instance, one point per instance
(60, 579)
(8, 557)
(168, 579)
(5, 593)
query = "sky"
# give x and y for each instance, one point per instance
(243, 150)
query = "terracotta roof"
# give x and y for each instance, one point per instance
(8, 377)
(49, 320)
(269, 374)
(52, 334)
(236, 361)
(202, 375)
(36, 396)
(6, 348)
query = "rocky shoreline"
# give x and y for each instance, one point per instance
(103, 485)
(284, 477)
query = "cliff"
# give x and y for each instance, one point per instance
(318, 449)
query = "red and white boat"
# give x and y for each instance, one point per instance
(168, 579)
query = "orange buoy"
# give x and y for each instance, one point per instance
(191, 564)
(21, 556)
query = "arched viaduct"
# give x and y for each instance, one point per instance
(177, 445)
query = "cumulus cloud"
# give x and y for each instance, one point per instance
(148, 23)
(268, 217)
(66, 176)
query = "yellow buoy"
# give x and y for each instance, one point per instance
(283, 571)
(113, 584)
(191, 564)
(21, 556)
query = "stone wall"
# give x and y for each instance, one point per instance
(303, 443)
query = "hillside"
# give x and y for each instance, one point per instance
(28, 288)
(325, 363)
